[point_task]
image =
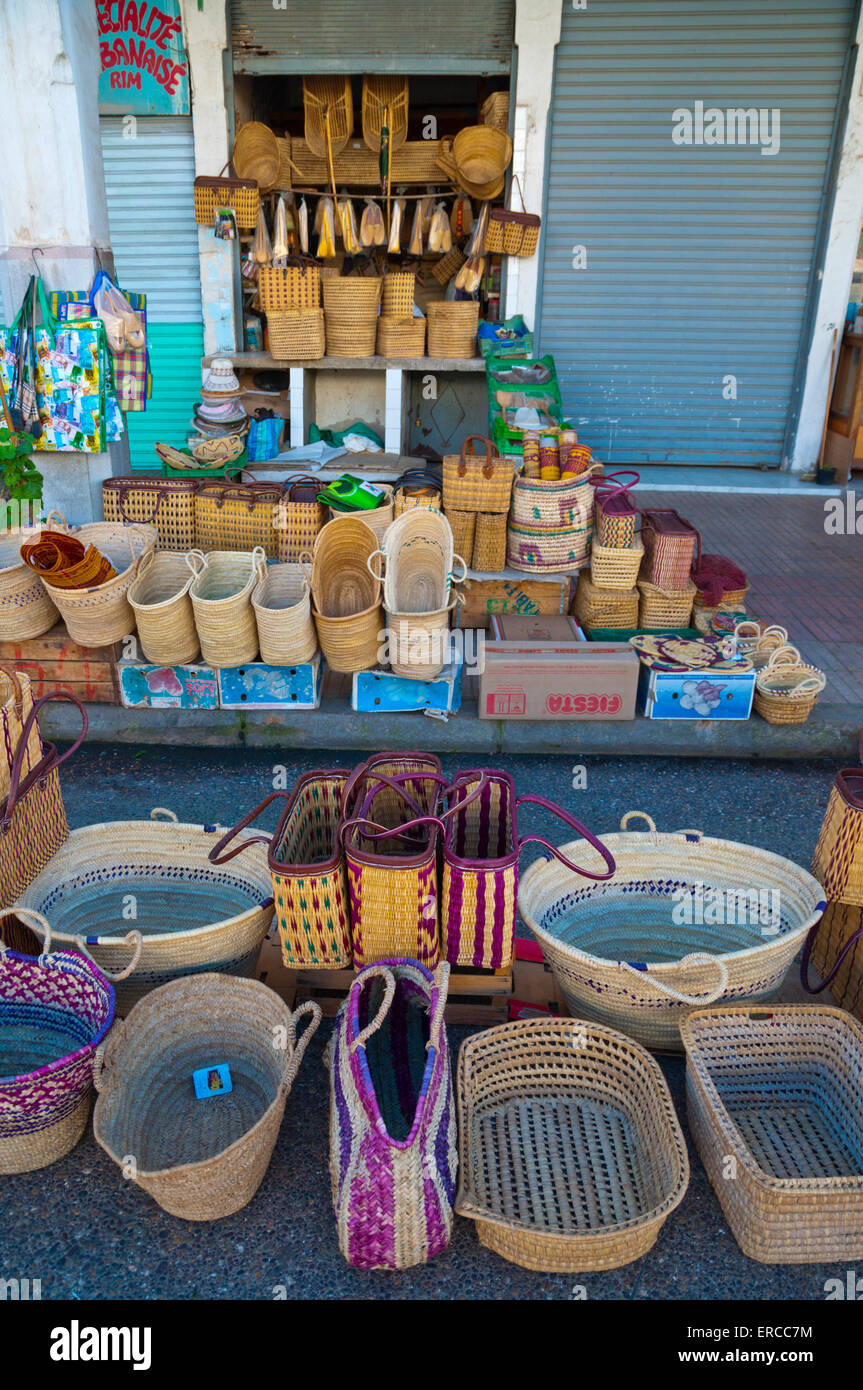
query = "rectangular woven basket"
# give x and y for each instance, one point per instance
(296, 335)
(452, 328)
(294, 287)
(401, 337)
(611, 608)
(615, 567)
(661, 608)
(240, 194)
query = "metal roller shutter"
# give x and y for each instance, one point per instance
(698, 257)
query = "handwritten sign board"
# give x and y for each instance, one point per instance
(144, 68)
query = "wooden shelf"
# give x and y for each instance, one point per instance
(354, 364)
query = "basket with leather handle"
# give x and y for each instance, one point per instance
(242, 195)
(166, 503)
(237, 516)
(417, 487)
(477, 483)
(513, 233)
(300, 517)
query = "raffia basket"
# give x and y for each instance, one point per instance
(99, 616)
(660, 608)
(416, 642)
(566, 501)
(448, 266)
(786, 689)
(26, 608)
(613, 568)
(346, 597)
(489, 545)
(159, 598)
(495, 111)
(192, 915)
(401, 337)
(256, 155)
(452, 328)
(296, 335)
(292, 287)
(221, 597)
(838, 860)
(463, 525)
(380, 518)
(548, 549)
(596, 607)
(397, 295)
(571, 1156)
(283, 613)
(351, 314)
(419, 562)
(635, 951)
(199, 1161)
(778, 1092)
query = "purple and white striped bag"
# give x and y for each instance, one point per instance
(393, 1151)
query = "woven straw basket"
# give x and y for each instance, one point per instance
(99, 616)
(495, 111)
(329, 113)
(159, 598)
(452, 328)
(256, 155)
(401, 337)
(416, 642)
(199, 1161)
(419, 562)
(293, 287)
(571, 1155)
(221, 597)
(779, 1092)
(613, 567)
(463, 525)
(595, 607)
(838, 861)
(448, 265)
(296, 335)
(489, 545)
(385, 98)
(351, 314)
(663, 608)
(548, 549)
(397, 294)
(177, 892)
(594, 935)
(346, 597)
(786, 689)
(242, 195)
(26, 609)
(564, 502)
(837, 955)
(282, 607)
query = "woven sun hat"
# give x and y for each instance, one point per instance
(220, 412)
(220, 379)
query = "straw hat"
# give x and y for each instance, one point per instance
(256, 155)
(219, 379)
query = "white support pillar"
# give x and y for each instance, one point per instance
(834, 292)
(537, 33)
(302, 387)
(394, 410)
(206, 37)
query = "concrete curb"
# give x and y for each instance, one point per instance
(832, 731)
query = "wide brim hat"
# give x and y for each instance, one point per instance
(220, 379)
(220, 412)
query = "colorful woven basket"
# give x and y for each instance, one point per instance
(616, 513)
(392, 1117)
(548, 549)
(671, 547)
(562, 503)
(838, 861)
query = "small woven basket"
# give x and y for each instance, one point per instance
(351, 300)
(660, 608)
(397, 295)
(401, 337)
(615, 567)
(159, 598)
(296, 335)
(221, 597)
(597, 607)
(786, 689)
(299, 518)
(100, 616)
(282, 607)
(293, 287)
(26, 609)
(452, 328)
(378, 519)
(489, 545)
(449, 264)
(200, 1162)
(571, 1154)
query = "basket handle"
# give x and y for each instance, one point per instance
(651, 823)
(35, 919)
(807, 953)
(438, 819)
(782, 656)
(488, 466)
(123, 492)
(133, 939)
(642, 971)
(115, 1036)
(771, 632)
(458, 579)
(611, 486)
(389, 994)
(611, 866)
(749, 623)
(16, 684)
(51, 761)
(297, 1047)
(196, 560)
(372, 572)
(216, 857)
(441, 986)
(63, 523)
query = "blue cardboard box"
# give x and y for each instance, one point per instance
(257, 686)
(381, 691)
(695, 694)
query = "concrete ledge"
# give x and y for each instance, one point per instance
(832, 731)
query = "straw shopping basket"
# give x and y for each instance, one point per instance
(538, 502)
(221, 597)
(786, 689)
(308, 871)
(282, 606)
(401, 337)
(662, 608)
(479, 881)
(835, 947)
(238, 516)
(392, 1118)
(33, 823)
(346, 597)
(489, 546)
(419, 562)
(296, 335)
(159, 598)
(166, 503)
(671, 545)
(240, 194)
(295, 286)
(636, 952)
(615, 567)
(571, 1155)
(200, 1159)
(513, 233)
(54, 1012)
(838, 861)
(26, 609)
(448, 265)
(452, 326)
(778, 1092)
(299, 518)
(100, 616)
(397, 294)
(611, 608)
(85, 889)
(475, 482)
(463, 526)
(351, 314)
(616, 513)
(548, 549)
(417, 487)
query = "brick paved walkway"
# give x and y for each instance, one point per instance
(800, 577)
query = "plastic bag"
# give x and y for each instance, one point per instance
(327, 241)
(476, 245)
(372, 229)
(123, 327)
(415, 246)
(280, 235)
(470, 274)
(303, 219)
(263, 245)
(348, 225)
(396, 218)
(440, 232)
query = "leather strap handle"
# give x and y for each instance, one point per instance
(216, 857)
(51, 761)
(575, 825)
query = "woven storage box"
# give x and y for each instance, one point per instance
(282, 606)
(397, 294)
(612, 608)
(452, 328)
(294, 287)
(54, 1012)
(474, 482)
(633, 953)
(100, 616)
(671, 547)
(463, 526)
(221, 597)
(26, 609)
(448, 265)
(296, 335)
(786, 691)
(615, 567)
(166, 503)
(199, 1161)
(489, 545)
(401, 337)
(240, 194)
(192, 916)
(836, 948)
(838, 861)
(778, 1093)
(351, 300)
(238, 516)
(346, 598)
(159, 598)
(548, 549)
(299, 518)
(661, 608)
(570, 1152)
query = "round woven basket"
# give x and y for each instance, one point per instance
(786, 689)
(397, 295)
(221, 597)
(283, 613)
(357, 341)
(296, 334)
(346, 597)
(192, 915)
(452, 328)
(199, 1161)
(416, 642)
(548, 549)
(482, 153)
(218, 451)
(401, 337)
(99, 616)
(256, 155)
(563, 502)
(615, 568)
(418, 560)
(26, 609)
(351, 299)
(636, 952)
(351, 643)
(159, 598)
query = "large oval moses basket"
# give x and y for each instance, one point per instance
(686, 921)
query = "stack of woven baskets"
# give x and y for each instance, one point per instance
(400, 333)
(351, 314)
(671, 547)
(476, 499)
(608, 598)
(291, 299)
(419, 594)
(551, 522)
(787, 687)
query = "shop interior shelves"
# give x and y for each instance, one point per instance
(259, 360)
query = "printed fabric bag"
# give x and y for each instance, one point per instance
(33, 822)
(393, 1157)
(131, 368)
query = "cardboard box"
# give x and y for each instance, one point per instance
(713, 695)
(558, 681)
(258, 686)
(553, 627)
(167, 687)
(382, 691)
(510, 591)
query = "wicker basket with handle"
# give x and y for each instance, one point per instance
(159, 598)
(659, 608)
(282, 607)
(513, 233)
(221, 595)
(237, 516)
(240, 194)
(294, 286)
(671, 547)
(100, 615)
(299, 518)
(475, 482)
(838, 861)
(296, 335)
(166, 503)
(787, 688)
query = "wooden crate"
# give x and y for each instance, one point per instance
(54, 662)
(485, 595)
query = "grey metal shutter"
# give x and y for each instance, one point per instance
(698, 257)
(443, 36)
